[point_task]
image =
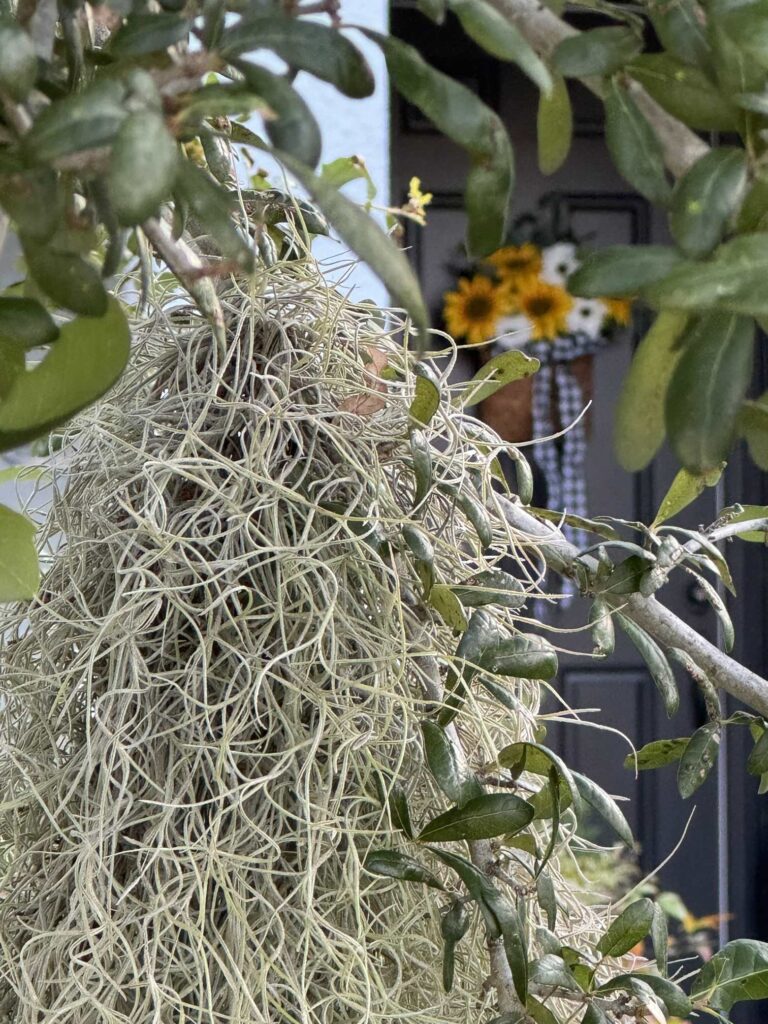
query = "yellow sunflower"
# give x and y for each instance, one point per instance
(473, 311)
(516, 265)
(619, 310)
(546, 306)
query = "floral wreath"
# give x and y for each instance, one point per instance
(518, 298)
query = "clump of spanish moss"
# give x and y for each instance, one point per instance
(228, 661)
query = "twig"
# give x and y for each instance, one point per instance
(191, 271)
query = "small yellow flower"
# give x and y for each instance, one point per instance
(546, 306)
(619, 310)
(517, 265)
(417, 201)
(474, 310)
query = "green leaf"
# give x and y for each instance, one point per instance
(538, 760)
(142, 167)
(621, 270)
(634, 147)
(306, 45)
(67, 278)
(423, 553)
(445, 602)
(657, 663)
(545, 893)
(753, 424)
(515, 948)
(34, 201)
(453, 928)
(496, 373)
(85, 362)
(706, 198)
(738, 972)
(657, 754)
(757, 763)
(483, 817)
(698, 759)
(79, 121)
(373, 246)
(599, 51)
(491, 586)
(594, 1015)
(434, 9)
(522, 657)
(632, 925)
(729, 281)
(473, 509)
(452, 776)
(540, 1012)
(707, 389)
(426, 400)
(393, 864)
(467, 121)
(747, 25)
(680, 27)
(603, 633)
(24, 322)
(685, 489)
(480, 888)
(605, 806)
(753, 215)
(294, 129)
(685, 92)
(673, 997)
(735, 70)
(12, 363)
(345, 169)
(18, 60)
(499, 37)
(639, 427)
(19, 571)
(142, 34)
(660, 939)
(551, 971)
(554, 126)
(719, 608)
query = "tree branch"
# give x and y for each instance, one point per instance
(545, 31)
(723, 672)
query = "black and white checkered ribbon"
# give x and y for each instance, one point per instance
(562, 460)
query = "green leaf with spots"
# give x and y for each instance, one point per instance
(737, 973)
(657, 754)
(706, 198)
(496, 373)
(686, 92)
(698, 758)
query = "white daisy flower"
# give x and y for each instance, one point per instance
(557, 262)
(512, 332)
(587, 316)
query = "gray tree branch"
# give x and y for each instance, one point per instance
(723, 672)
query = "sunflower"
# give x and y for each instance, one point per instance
(516, 265)
(546, 306)
(474, 310)
(619, 310)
